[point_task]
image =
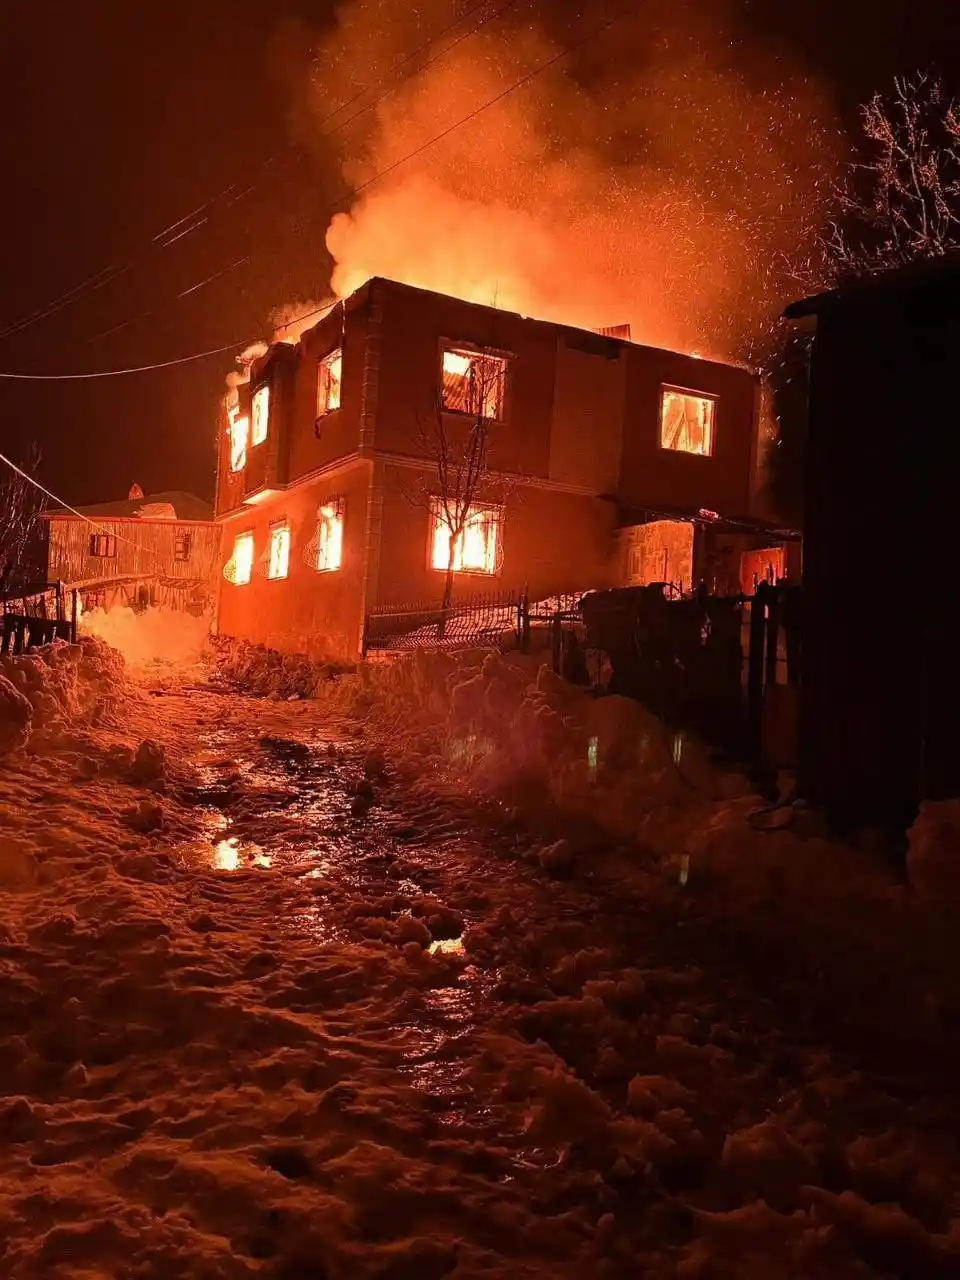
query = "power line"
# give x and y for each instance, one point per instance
(354, 191)
(490, 17)
(73, 510)
(176, 231)
(444, 133)
(116, 373)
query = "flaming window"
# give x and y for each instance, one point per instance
(182, 546)
(328, 383)
(330, 536)
(686, 421)
(477, 548)
(473, 382)
(242, 559)
(238, 431)
(261, 413)
(103, 545)
(279, 551)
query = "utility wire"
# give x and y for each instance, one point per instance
(444, 133)
(199, 217)
(349, 192)
(73, 510)
(115, 373)
(497, 13)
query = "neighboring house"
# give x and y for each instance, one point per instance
(593, 438)
(880, 697)
(156, 550)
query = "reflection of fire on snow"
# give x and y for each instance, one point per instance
(227, 855)
(448, 946)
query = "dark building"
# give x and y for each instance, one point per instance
(879, 701)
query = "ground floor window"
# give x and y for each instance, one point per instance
(242, 559)
(279, 565)
(330, 536)
(477, 546)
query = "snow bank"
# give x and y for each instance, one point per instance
(154, 636)
(505, 726)
(46, 692)
(933, 859)
(270, 674)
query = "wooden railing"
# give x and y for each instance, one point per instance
(54, 616)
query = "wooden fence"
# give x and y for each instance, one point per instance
(47, 612)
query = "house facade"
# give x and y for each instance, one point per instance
(329, 493)
(156, 550)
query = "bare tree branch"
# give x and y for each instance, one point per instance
(455, 442)
(902, 203)
(21, 505)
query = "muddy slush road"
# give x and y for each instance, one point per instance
(318, 1018)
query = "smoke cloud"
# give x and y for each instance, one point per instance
(661, 175)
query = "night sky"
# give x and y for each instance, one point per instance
(120, 118)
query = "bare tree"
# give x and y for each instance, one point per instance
(459, 488)
(21, 505)
(902, 202)
(899, 203)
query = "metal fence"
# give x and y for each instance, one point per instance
(492, 618)
(502, 620)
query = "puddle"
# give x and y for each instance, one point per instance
(448, 947)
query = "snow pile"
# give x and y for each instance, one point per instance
(234, 1045)
(270, 674)
(153, 636)
(50, 690)
(506, 723)
(505, 726)
(933, 860)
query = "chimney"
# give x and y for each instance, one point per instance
(135, 493)
(621, 331)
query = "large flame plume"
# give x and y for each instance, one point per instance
(657, 176)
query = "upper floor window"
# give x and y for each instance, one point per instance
(329, 373)
(238, 431)
(687, 421)
(261, 413)
(279, 565)
(330, 536)
(477, 547)
(473, 382)
(242, 559)
(103, 544)
(182, 545)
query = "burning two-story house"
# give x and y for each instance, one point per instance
(609, 463)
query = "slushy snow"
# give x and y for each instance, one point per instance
(403, 982)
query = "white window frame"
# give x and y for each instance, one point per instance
(667, 389)
(247, 539)
(238, 430)
(332, 512)
(108, 541)
(260, 414)
(437, 520)
(278, 561)
(325, 382)
(466, 352)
